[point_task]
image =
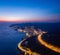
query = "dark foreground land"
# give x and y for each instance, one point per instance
(35, 46)
(52, 37)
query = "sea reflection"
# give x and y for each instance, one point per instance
(9, 39)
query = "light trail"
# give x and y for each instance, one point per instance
(52, 47)
(26, 50)
(22, 48)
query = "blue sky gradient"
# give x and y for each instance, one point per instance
(43, 10)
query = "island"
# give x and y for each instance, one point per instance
(37, 41)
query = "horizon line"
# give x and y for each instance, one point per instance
(30, 21)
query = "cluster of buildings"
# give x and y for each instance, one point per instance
(30, 31)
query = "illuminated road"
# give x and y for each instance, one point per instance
(52, 47)
(42, 42)
(26, 50)
(23, 49)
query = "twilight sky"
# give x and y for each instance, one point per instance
(30, 10)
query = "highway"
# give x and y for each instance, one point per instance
(23, 49)
(26, 50)
(52, 47)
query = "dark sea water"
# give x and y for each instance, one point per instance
(9, 40)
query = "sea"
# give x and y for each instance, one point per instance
(9, 39)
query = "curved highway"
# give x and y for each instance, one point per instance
(52, 47)
(23, 49)
(26, 50)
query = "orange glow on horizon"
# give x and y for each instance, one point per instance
(11, 20)
(18, 20)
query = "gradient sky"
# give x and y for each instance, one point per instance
(30, 10)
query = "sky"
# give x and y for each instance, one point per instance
(30, 10)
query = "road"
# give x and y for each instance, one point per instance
(26, 50)
(52, 47)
